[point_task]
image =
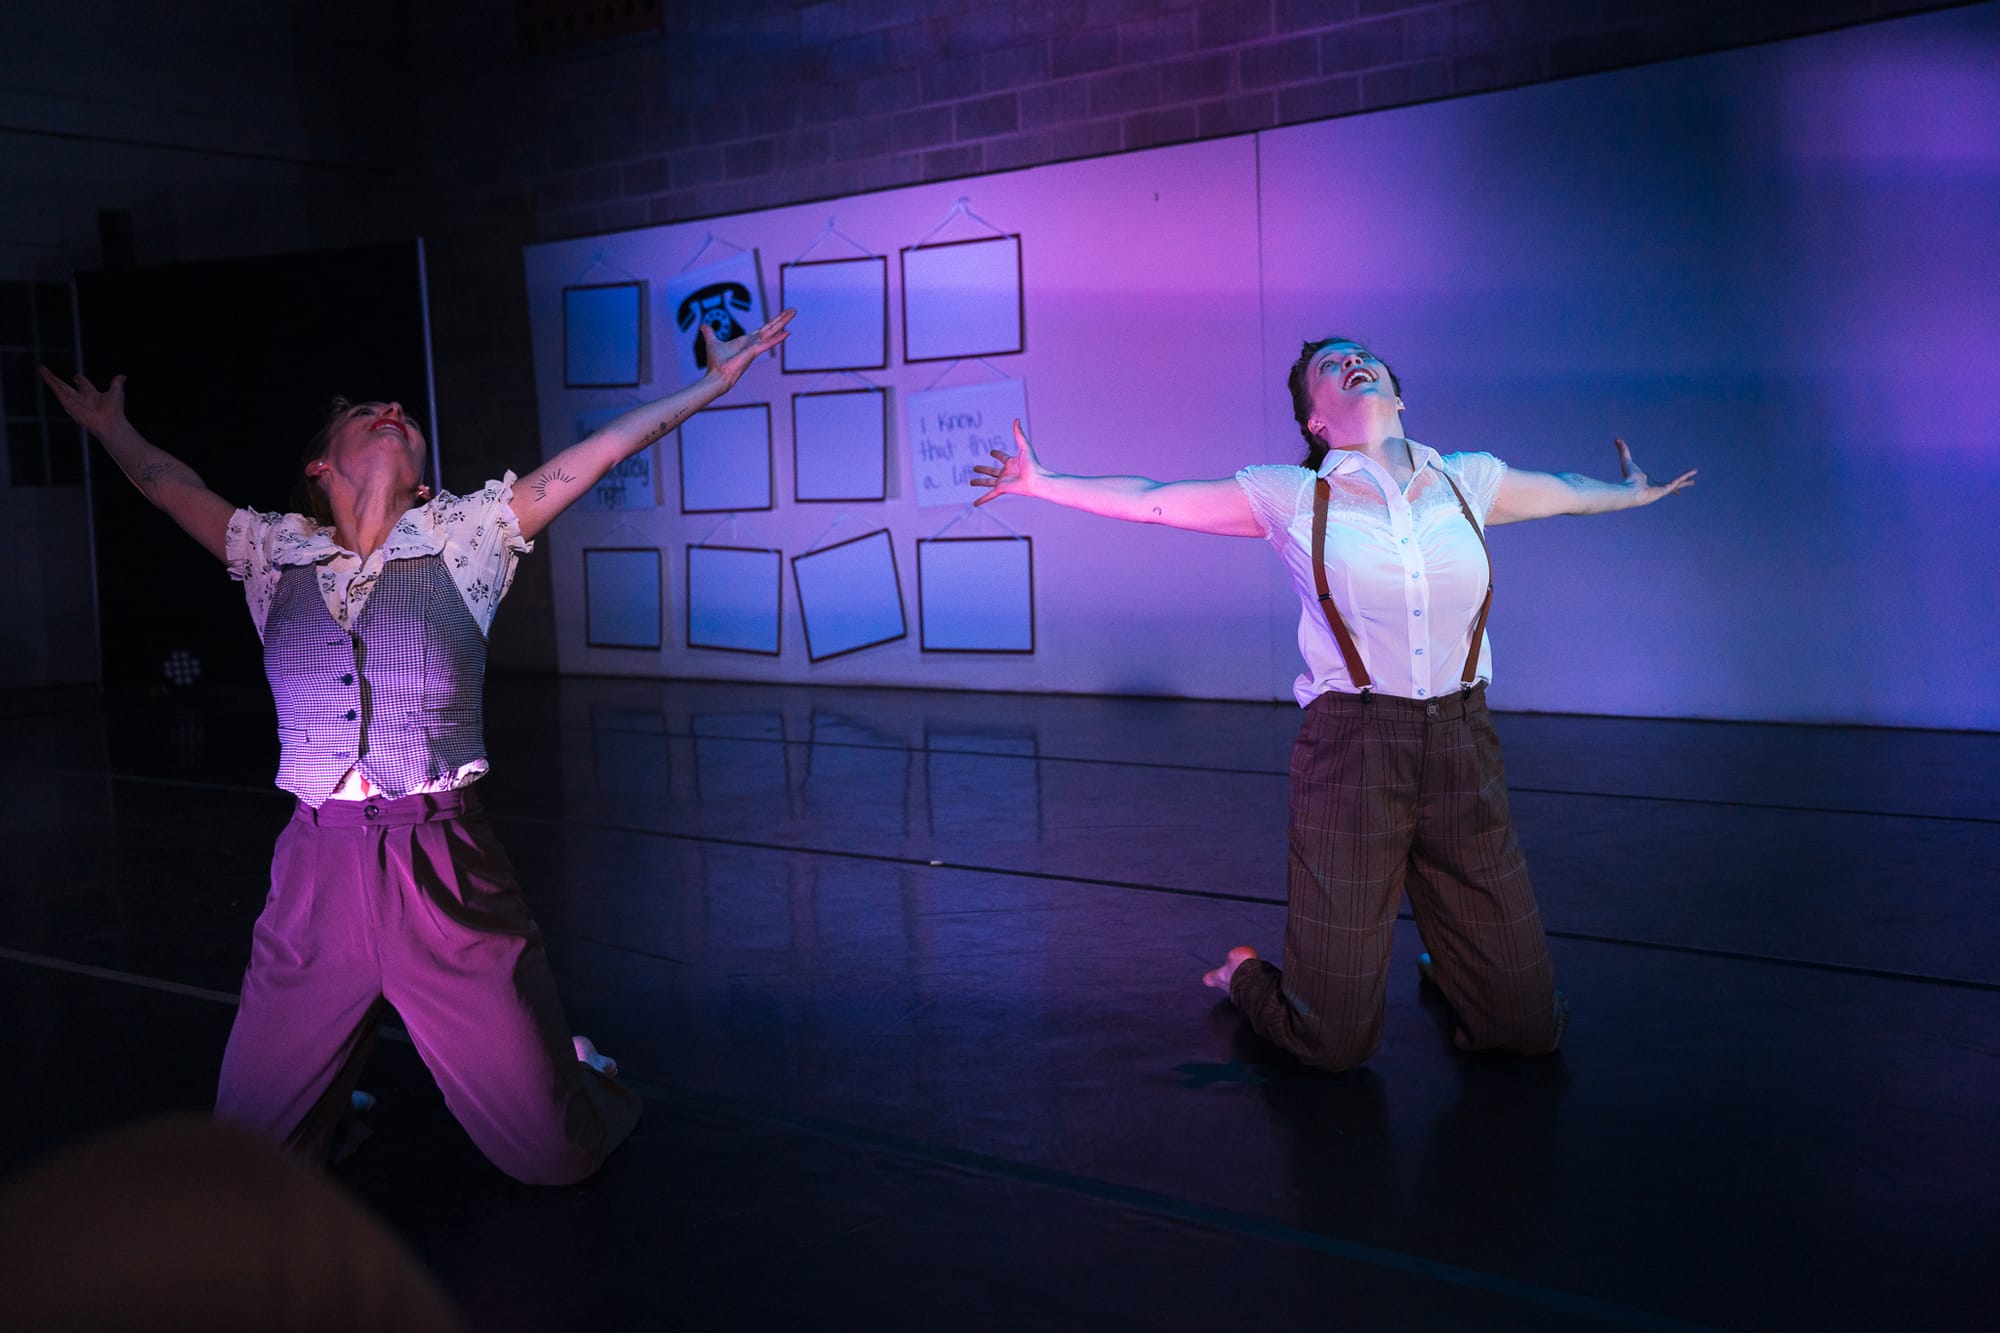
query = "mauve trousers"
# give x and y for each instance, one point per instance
(1390, 795)
(412, 903)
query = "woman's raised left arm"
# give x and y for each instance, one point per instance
(561, 481)
(1525, 495)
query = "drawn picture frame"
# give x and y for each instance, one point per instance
(850, 596)
(963, 299)
(843, 307)
(725, 460)
(727, 610)
(840, 445)
(623, 592)
(604, 335)
(976, 595)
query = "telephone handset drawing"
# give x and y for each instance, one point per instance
(716, 306)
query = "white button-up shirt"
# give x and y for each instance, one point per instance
(1405, 569)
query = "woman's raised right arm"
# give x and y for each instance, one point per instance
(170, 484)
(1218, 506)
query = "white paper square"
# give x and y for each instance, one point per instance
(976, 594)
(727, 296)
(849, 596)
(726, 460)
(953, 429)
(843, 320)
(838, 445)
(621, 597)
(733, 599)
(601, 335)
(962, 298)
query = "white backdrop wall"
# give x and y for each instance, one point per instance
(1776, 265)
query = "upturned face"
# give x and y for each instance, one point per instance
(1349, 387)
(374, 435)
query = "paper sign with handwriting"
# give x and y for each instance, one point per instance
(952, 429)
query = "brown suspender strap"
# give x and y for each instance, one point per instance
(1322, 496)
(1478, 625)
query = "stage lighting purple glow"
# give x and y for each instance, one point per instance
(1776, 265)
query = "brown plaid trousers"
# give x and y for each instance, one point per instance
(1391, 795)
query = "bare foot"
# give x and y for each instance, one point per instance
(1219, 978)
(587, 1052)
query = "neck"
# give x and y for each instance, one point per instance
(363, 517)
(1387, 447)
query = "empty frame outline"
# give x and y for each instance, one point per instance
(827, 650)
(850, 328)
(739, 481)
(929, 325)
(610, 337)
(609, 609)
(949, 638)
(744, 575)
(867, 485)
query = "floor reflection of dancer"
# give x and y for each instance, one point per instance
(388, 884)
(1396, 779)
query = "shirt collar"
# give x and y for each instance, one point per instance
(1349, 460)
(303, 541)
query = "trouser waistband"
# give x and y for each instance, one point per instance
(381, 812)
(1456, 703)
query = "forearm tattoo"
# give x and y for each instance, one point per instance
(542, 483)
(657, 432)
(151, 475)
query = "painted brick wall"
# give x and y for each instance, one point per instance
(758, 103)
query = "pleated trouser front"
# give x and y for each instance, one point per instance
(1392, 795)
(412, 903)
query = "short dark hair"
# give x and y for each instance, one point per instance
(1299, 381)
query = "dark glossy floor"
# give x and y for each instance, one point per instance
(910, 982)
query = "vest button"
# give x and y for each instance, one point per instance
(351, 715)
(347, 678)
(371, 810)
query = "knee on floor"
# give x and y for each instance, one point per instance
(1337, 1053)
(1522, 1036)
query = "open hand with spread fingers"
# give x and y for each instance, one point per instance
(728, 360)
(1017, 474)
(1634, 478)
(94, 409)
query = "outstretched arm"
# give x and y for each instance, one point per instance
(171, 485)
(1216, 506)
(1526, 495)
(558, 483)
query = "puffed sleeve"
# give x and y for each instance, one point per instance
(482, 544)
(249, 551)
(1479, 476)
(1273, 490)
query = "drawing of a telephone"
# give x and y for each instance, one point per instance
(714, 305)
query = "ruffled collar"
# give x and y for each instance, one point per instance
(298, 539)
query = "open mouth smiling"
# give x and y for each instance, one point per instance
(1359, 375)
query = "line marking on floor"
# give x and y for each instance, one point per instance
(1140, 1200)
(1058, 877)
